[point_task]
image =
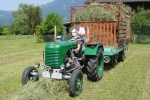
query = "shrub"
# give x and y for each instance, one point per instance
(6, 31)
(41, 37)
(39, 34)
(51, 20)
(141, 39)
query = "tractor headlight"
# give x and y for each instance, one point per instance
(37, 64)
(62, 66)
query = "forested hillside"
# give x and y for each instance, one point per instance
(60, 6)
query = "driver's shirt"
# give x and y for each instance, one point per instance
(81, 30)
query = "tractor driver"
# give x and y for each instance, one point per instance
(79, 32)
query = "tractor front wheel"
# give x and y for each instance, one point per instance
(75, 83)
(27, 76)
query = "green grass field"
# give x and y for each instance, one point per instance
(128, 80)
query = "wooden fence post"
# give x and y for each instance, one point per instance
(55, 33)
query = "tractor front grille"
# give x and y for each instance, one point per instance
(52, 59)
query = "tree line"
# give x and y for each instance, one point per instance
(27, 17)
(141, 21)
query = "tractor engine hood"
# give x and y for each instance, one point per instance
(55, 52)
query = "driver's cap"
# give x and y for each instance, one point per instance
(77, 22)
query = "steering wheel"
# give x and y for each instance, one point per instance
(75, 38)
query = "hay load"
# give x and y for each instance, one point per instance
(92, 12)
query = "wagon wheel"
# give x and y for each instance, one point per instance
(121, 56)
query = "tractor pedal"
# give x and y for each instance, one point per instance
(74, 57)
(80, 58)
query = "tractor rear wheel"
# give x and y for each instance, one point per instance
(26, 76)
(95, 66)
(75, 83)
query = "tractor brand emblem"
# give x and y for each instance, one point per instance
(51, 46)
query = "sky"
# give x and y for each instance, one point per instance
(11, 5)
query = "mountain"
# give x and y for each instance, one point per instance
(6, 17)
(60, 6)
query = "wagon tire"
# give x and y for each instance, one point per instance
(26, 76)
(121, 56)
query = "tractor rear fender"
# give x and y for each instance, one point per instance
(92, 49)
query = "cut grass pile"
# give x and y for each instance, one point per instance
(42, 90)
(128, 80)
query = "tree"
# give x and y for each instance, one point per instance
(20, 24)
(26, 18)
(6, 31)
(1, 29)
(51, 20)
(141, 22)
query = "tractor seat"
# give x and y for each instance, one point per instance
(93, 43)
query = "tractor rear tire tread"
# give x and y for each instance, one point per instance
(93, 67)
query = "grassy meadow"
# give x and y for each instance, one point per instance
(128, 80)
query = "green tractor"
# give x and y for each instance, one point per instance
(62, 62)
